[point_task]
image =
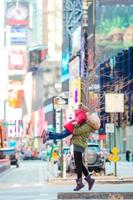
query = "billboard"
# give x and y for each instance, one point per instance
(74, 81)
(17, 13)
(90, 48)
(15, 94)
(17, 59)
(18, 35)
(76, 40)
(114, 28)
(65, 65)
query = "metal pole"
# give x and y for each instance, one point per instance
(94, 38)
(115, 163)
(5, 119)
(62, 155)
(5, 110)
(1, 137)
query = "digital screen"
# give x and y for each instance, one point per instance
(114, 28)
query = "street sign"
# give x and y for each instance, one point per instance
(115, 150)
(60, 102)
(115, 158)
(5, 124)
(109, 128)
(114, 102)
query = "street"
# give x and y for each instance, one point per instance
(29, 182)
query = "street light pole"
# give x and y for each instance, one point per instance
(63, 168)
(115, 163)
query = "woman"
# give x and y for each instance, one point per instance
(80, 133)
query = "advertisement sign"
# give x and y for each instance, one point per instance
(74, 68)
(114, 102)
(18, 35)
(17, 59)
(17, 13)
(65, 66)
(74, 81)
(60, 102)
(14, 121)
(76, 40)
(15, 128)
(75, 91)
(114, 31)
(91, 44)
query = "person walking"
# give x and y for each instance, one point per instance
(128, 155)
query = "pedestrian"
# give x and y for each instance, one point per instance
(128, 155)
(80, 133)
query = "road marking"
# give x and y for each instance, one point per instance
(16, 185)
(38, 199)
(38, 184)
(44, 194)
(21, 185)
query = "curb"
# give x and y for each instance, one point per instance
(102, 180)
(95, 195)
(4, 167)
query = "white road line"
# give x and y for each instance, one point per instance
(16, 185)
(38, 199)
(43, 194)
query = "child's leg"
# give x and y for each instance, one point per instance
(58, 136)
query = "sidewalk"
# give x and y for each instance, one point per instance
(124, 175)
(98, 179)
(95, 195)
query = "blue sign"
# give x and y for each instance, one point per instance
(65, 66)
(12, 143)
(18, 35)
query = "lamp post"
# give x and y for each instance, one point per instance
(61, 103)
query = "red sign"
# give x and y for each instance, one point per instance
(102, 136)
(17, 59)
(17, 13)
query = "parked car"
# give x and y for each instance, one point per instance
(11, 153)
(94, 158)
(14, 159)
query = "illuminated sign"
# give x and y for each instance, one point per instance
(17, 13)
(74, 68)
(17, 59)
(75, 81)
(114, 31)
(64, 67)
(76, 40)
(18, 35)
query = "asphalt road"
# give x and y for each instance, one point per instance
(29, 182)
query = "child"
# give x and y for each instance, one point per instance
(81, 116)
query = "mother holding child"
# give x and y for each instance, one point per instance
(80, 128)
